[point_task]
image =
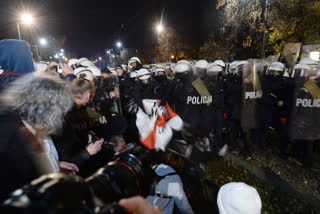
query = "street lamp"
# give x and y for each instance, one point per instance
(119, 44)
(43, 41)
(159, 28)
(25, 18)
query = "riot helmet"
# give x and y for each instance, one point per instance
(214, 70)
(84, 62)
(160, 71)
(220, 63)
(84, 73)
(134, 62)
(144, 76)
(201, 66)
(242, 68)
(275, 69)
(300, 71)
(233, 67)
(73, 63)
(95, 70)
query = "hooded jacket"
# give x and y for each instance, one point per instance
(15, 61)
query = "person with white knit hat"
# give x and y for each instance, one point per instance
(238, 198)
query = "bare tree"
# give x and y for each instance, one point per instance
(170, 43)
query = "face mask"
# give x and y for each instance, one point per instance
(182, 76)
(160, 78)
(145, 82)
(201, 72)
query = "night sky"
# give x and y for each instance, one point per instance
(85, 28)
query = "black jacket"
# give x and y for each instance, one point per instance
(71, 143)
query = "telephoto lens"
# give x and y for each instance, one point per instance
(128, 175)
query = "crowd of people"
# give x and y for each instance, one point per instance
(59, 117)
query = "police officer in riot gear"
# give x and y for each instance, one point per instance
(188, 95)
(201, 67)
(229, 91)
(272, 107)
(161, 81)
(144, 88)
(305, 112)
(239, 87)
(214, 82)
(134, 64)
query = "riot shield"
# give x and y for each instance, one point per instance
(305, 115)
(251, 92)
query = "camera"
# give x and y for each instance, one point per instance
(59, 69)
(127, 175)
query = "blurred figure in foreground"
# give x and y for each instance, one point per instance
(15, 61)
(32, 108)
(238, 198)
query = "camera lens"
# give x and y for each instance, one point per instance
(124, 177)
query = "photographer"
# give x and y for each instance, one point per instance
(64, 71)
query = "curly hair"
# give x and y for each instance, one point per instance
(40, 99)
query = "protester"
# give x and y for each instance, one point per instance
(15, 61)
(74, 144)
(167, 199)
(32, 108)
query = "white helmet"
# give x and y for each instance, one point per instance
(233, 67)
(214, 68)
(85, 63)
(73, 63)
(160, 69)
(277, 66)
(96, 71)
(202, 64)
(240, 65)
(134, 59)
(124, 67)
(133, 74)
(182, 67)
(82, 59)
(143, 74)
(183, 60)
(113, 71)
(301, 70)
(84, 73)
(220, 63)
